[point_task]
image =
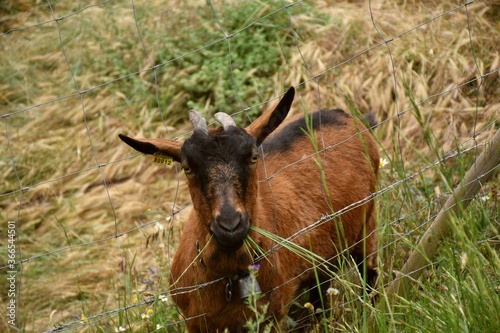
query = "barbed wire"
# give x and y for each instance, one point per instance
(326, 218)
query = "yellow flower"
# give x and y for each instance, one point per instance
(383, 162)
(150, 311)
(84, 319)
(309, 306)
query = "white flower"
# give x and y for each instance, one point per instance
(159, 226)
(484, 198)
(383, 162)
(163, 298)
(120, 329)
(332, 291)
(144, 316)
(158, 326)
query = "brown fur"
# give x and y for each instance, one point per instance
(282, 198)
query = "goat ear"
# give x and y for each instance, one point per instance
(270, 120)
(150, 146)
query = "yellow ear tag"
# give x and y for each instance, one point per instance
(162, 158)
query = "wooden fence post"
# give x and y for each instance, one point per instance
(482, 170)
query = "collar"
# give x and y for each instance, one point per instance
(247, 282)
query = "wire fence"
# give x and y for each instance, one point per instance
(78, 209)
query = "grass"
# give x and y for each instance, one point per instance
(83, 241)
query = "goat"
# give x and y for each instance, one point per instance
(270, 177)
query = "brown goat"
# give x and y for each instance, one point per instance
(268, 177)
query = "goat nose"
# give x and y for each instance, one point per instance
(229, 222)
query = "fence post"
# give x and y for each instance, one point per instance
(479, 173)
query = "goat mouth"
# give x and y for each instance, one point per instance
(228, 247)
(230, 241)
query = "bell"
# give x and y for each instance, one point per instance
(248, 285)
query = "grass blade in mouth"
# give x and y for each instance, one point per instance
(300, 251)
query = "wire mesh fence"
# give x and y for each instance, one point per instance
(89, 228)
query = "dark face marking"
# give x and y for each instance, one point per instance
(221, 170)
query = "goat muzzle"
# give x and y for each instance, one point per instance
(229, 229)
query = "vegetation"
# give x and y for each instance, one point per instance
(97, 225)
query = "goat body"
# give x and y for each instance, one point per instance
(278, 177)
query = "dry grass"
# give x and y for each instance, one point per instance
(86, 206)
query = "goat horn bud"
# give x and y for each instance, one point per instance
(225, 120)
(198, 122)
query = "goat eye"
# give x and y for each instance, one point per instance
(254, 159)
(187, 169)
